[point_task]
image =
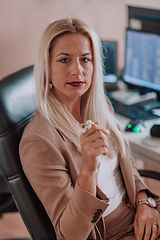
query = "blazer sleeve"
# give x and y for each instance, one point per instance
(72, 210)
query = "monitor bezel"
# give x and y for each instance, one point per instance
(139, 87)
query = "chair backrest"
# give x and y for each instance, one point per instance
(16, 110)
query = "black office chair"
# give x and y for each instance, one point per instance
(149, 174)
(16, 110)
(7, 203)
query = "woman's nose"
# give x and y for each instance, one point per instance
(76, 68)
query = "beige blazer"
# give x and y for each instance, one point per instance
(52, 163)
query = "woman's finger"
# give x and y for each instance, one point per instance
(98, 135)
(158, 225)
(140, 230)
(148, 231)
(154, 231)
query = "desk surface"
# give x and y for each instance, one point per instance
(143, 146)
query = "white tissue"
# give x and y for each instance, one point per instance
(88, 125)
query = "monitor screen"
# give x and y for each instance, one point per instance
(110, 61)
(142, 60)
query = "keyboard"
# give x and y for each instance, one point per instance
(131, 111)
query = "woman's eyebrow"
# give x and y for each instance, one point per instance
(88, 53)
(66, 54)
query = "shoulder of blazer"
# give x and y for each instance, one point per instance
(41, 127)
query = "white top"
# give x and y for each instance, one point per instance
(109, 180)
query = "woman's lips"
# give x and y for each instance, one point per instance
(76, 84)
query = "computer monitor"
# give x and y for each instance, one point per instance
(142, 60)
(110, 64)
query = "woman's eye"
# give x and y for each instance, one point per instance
(64, 60)
(86, 60)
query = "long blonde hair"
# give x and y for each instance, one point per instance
(94, 103)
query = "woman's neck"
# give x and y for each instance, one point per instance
(75, 109)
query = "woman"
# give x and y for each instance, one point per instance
(83, 175)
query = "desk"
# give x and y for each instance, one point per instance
(143, 146)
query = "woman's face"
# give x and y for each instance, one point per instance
(71, 66)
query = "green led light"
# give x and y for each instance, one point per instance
(129, 125)
(137, 129)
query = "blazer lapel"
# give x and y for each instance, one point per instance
(128, 177)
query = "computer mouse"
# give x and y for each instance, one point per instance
(134, 126)
(155, 130)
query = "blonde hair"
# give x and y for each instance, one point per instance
(94, 103)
